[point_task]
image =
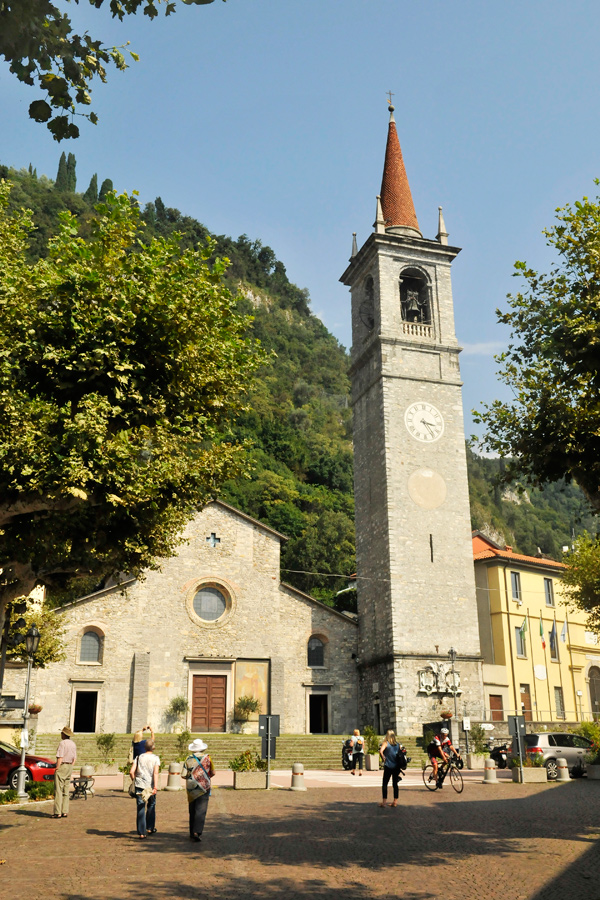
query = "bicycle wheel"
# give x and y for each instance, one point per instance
(456, 779)
(429, 779)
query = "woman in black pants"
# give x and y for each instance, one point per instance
(198, 771)
(389, 753)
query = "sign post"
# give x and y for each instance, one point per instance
(516, 728)
(466, 729)
(268, 728)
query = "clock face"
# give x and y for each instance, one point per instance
(367, 314)
(424, 422)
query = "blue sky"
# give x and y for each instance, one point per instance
(268, 117)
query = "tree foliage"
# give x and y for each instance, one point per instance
(38, 42)
(582, 578)
(551, 429)
(51, 627)
(121, 367)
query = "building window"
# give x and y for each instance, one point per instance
(90, 648)
(520, 642)
(549, 591)
(515, 584)
(209, 604)
(559, 703)
(316, 652)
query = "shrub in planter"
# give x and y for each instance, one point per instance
(248, 761)
(40, 790)
(372, 744)
(177, 708)
(106, 745)
(182, 742)
(34, 709)
(245, 707)
(9, 796)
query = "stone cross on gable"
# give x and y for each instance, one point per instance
(213, 540)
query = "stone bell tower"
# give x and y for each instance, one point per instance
(415, 584)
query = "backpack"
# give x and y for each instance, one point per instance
(199, 777)
(402, 760)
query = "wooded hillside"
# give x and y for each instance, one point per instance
(299, 428)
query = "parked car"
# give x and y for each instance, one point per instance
(554, 745)
(38, 767)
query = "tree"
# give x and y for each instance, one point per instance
(581, 579)
(91, 195)
(551, 429)
(71, 176)
(105, 189)
(62, 176)
(38, 43)
(121, 367)
(51, 627)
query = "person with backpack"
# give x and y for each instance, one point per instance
(393, 755)
(358, 751)
(144, 771)
(197, 771)
(440, 748)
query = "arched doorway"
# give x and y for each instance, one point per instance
(594, 677)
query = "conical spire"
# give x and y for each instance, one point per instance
(396, 199)
(442, 234)
(354, 246)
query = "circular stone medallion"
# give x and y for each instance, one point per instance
(427, 488)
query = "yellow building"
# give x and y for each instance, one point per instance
(540, 660)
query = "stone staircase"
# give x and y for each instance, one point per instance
(315, 751)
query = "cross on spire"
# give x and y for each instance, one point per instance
(213, 540)
(390, 95)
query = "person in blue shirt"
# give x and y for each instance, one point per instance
(389, 752)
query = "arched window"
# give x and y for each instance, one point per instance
(414, 297)
(90, 649)
(366, 310)
(316, 652)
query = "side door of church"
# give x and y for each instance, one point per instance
(209, 703)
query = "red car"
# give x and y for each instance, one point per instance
(38, 767)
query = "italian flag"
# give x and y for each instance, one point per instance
(542, 632)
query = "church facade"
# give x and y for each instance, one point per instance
(213, 625)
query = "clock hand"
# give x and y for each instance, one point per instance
(427, 425)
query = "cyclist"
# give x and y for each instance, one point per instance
(439, 748)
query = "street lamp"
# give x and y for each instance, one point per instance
(452, 654)
(32, 640)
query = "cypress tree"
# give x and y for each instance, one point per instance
(62, 183)
(91, 195)
(161, 213)
(105, 187)
(71, 176)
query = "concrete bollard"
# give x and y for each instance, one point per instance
(489, 773)
(298, 777)
(174, 779)
(563, 770)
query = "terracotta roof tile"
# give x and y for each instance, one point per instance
(396, 198)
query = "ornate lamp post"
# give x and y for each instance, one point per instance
(32, 640)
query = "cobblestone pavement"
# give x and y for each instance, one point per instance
(527, 842)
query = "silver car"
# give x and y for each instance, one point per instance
(555, 745)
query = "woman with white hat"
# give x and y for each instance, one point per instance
(198, 771)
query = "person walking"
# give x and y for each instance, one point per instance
(144, 770)
(66, 757)
(390, 754)
(358, 751)
(198, 771)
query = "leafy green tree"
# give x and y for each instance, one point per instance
(91, 195)
(582, 578)
(551, 429)
(105, 188)
(51, 627)
(121, 367)
(41, 48)
(62, 175)
(71, 174)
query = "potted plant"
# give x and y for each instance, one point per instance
(34, 709)
(245, 707)
(249, 771)
(592, 764)
(478, 743)
(372, 744)
(446, 714)
(177, 708)
(125, 769)
(534, 770)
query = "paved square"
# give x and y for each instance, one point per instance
(502, 841)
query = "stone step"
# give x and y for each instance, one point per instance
(314, 751)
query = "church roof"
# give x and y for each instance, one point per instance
(484, 548)
(396, 198)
